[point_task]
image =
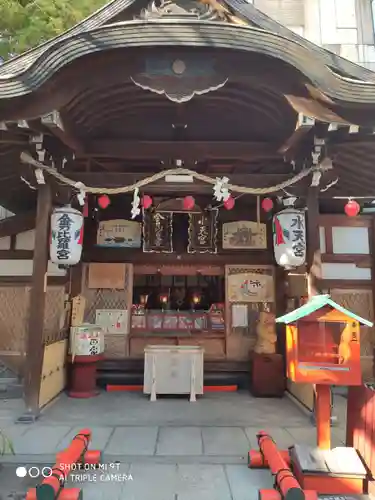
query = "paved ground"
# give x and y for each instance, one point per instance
(169, 450)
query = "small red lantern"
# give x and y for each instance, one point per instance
(352, 208)
(104, 201)
(267, 204)
(188, 203)
(146, 201)
(229, 203)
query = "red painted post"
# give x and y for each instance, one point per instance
(360, 427)
(52, 486)
(68, 494)
(256, 459)
(284, 478)
(323, 416)
(275, 495)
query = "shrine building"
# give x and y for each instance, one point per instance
(207, 170)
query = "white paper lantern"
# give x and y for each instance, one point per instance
(66, 236)
(289, 238)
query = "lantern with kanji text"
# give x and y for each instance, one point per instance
(289, 238)
(66, 236)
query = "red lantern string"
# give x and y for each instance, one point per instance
(104, 201)
(146, 201)
(352, 208)
(188, 203)
(229, 203)
(267, 204)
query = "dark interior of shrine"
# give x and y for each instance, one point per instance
(178, 293)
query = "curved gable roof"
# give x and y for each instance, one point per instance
(246, 10)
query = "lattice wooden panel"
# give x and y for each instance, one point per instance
(361, 303)
(103, 299)
(100, 298)
(54, 315)
(13, 318)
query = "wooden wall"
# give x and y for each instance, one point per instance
(16, 267)
(242, 211)
(218, 345)
(347, 251)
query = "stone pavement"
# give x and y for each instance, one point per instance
(172, 449)
(157, 482)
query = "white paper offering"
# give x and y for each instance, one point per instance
(112, 321)
(239, 316)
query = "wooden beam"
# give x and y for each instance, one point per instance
(137, 257)
(16, 254)
(54, 123)
(184, 150)
(34, 343)
(16, 224)
(304, 125)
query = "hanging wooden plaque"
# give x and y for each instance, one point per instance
(244, 235)
(107, 275)
(78, 310)
(157, 232)
(203, 232)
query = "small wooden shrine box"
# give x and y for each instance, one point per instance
(323, 343)
(337, 471)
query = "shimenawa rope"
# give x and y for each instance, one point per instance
(28, 159)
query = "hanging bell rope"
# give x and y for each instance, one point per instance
(28, 159)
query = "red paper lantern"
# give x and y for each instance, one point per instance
(104, 201)
(267, 204)
(352, 208)
(229, 203)
(146, 201)
(188, 203)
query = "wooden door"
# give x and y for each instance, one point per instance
(361, 303)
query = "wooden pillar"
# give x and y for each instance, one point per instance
(323, 416)
(313, 243)
(34, 342)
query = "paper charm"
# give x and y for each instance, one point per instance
(135, 204)
(221, 191)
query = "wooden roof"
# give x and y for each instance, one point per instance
(259, 94)
(315, 304)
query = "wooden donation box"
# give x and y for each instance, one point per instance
(323, 343)
(173, 370)
(323, 348)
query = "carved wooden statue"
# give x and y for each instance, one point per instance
(266, 334)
